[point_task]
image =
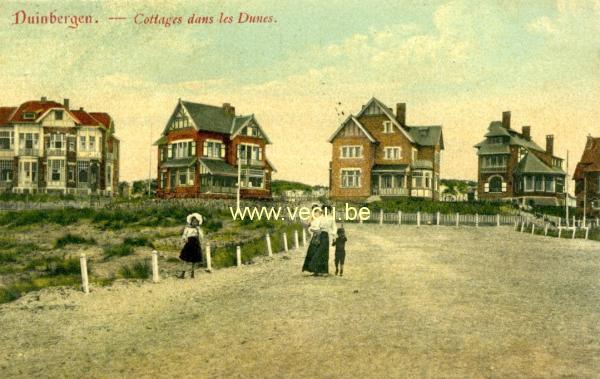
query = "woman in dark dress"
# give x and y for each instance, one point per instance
(314, 229)
(191, 254)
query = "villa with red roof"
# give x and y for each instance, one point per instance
(47, 147)
(587, 179)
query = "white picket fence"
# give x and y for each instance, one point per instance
(437, 219)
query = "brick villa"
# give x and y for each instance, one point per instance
(375, 154)
(587, 178)
(201, 147)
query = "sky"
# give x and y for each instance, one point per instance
(457, 63)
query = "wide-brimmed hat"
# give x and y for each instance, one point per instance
(197, 216)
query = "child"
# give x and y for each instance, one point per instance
(191, 254)
(340, 251)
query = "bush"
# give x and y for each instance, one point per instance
(69, 266)
(18, 288)
(138, 270)
(117, 251)
(8, 257)
(73, 239)
(138, 241)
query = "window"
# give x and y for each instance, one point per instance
(417, 179)
(92, 143)
(57, 141)
(71, 143)
(494, 161)
(400, 181)
(58, 115)
(388, 127)
(71, 172)
(83, 168)
(29, 116)
(7, 140)
(414, 154)
(173, 178)
(180, 121)
(163, 180)
(109, 170)
(82, 143)
(549, 184)
(246, 151)
(29, 172)
(351, 152)
(386, 181)
(28, 140)
(539, 183)
(528, 185)
(185, 176)
(495, 184)
(56, 168)
(213, 149)
(350, 178)
(182, 149)
(560, 184)
(596, 204)
(6, 170)
(392, 153)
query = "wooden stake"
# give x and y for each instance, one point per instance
(399, 217)
(269, 250)
(477, 220)
(457, 219)
(238, 256)
(497, 220)
(574, 230)
(155, 275)
(296, 242)
(303, 236)
(381, 217)
(84, 273)
(437, 219)
(208, 258)
(418, 219)
(285, 245)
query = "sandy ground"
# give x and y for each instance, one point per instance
(428, 302)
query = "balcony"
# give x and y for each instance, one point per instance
(251, 162)
(93, 154)
(32, 152)
(390, 191)
(56, 152)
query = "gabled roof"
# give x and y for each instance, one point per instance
(5, 114)
(531, 164)
(36, 106)
(388, 112)
(85, 118)
(489, 149)
(357, 123)
(239, 122)
(590, 159)
(427, 135)
(103, 118)
(209, 117)
(515, 138)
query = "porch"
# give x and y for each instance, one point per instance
(389, 180)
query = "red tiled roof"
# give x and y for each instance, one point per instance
(590, 160)
(36, 106)
(85, 118)
(103, 118)
(5, 113)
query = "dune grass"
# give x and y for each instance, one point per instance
(73, 239)
(137, 270)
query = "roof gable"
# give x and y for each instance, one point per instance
(352, 127)
(39, 108)
(427, 135)
(239, 123)
(531, 164)
(371, 109)
(208, 117)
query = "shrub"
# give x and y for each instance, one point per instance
(138, 270)
(138, 241)
(69, 266)
(117, 251)
(73, 239)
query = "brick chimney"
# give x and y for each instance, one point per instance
(550, 144)
(66, 103)
(401, 113)
(590, 142)
(43, 99)
(229, 109)
(506, 119)
(526, 131)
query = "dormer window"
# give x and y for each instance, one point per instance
(29, 116)
(58, 115)
(387, 127)
(250, 131)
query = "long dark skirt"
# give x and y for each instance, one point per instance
(192, 251)
(317, 256)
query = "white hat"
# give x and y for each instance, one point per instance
(197, 216)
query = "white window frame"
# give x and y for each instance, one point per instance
(214, 143)
(358, 177)
(388, 127)
(388, 150)
(528, 187)
(60, 165)
(6, 165)
(351, 151)
(10, 135)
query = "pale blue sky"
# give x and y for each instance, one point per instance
(458, 63)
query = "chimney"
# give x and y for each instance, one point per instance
(229, 109)
(526, 131)
(43, 99)
(80, 108)
(66, 103)
(401, 113)
(506, 119)
(590, 142)
(550, 144)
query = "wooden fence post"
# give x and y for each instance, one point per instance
(574, 230)
(285, 245)
(516, 225)
(269, 250)
(559, 222)
(497, 220)
(559, 231)
(399, 217)
(587, 232)
(522, 226)
(84, 273)
(303, 236)
(238, 256)
(546, 230)
(208, 258)
(296, 242)
(381, 217)
(418, 219)
(155, 275)
(477, 220)
(532, 228)
(437, 219)
(457, 219)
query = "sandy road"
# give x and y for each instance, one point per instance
(428, 302)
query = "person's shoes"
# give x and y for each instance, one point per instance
(192, 275)
(336, 271)
(341, 272)
(182, 275)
